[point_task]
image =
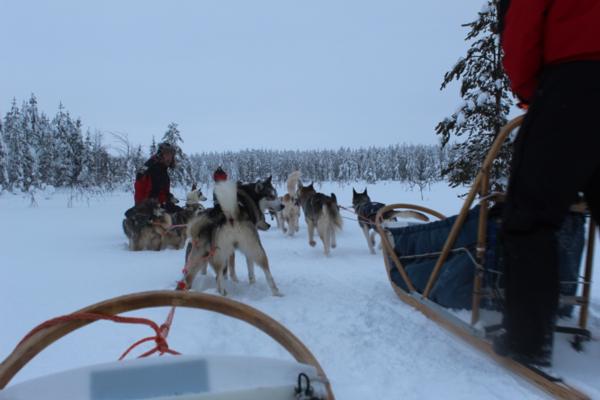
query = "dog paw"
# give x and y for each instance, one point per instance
(333, 245)
(252, 280)
(277, 294)
(312, 243)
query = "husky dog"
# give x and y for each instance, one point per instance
(264, 195)
(194, 197)
(218, 232)
(322, 212)
(291, 206)
(176, 236)
(366, 210)
(146, 225)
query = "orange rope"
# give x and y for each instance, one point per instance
(162, 332)
(160, 339)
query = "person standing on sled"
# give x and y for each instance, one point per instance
(552, 57)
(153, 182)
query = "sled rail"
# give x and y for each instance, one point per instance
(33, 345)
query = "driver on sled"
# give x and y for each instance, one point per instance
(153, 185)
(552, 57)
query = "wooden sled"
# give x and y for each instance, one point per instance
(167, 377)
(472, 332)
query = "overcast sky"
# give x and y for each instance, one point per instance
(239, 74)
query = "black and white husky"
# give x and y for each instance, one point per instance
(366, 211)
(320, 211)
(261, 195)
(218, 232)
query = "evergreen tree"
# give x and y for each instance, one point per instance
(60, 138)
(3, 181)
(75, 155)
(30, 136)
(181, 174)
(86, 178)
(485, 91)
(152, 147)
(12, 127)
(45, 152)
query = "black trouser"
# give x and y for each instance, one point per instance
(556, 156)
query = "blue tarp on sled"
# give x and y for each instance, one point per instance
(418, 248)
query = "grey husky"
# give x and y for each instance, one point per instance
(146, 225)
(322, 212)
(218, 232)
(366, 211)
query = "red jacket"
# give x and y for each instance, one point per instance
(544, 32)
(152, 181)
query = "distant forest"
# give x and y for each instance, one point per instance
(38, 151)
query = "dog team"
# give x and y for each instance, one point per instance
(156, 221)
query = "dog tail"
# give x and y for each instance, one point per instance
(226, 193)
(331, 209)
(292, 183)
(126, 227)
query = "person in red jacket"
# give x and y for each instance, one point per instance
(552, 57)
(152, 181)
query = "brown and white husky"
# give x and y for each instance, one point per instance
(288, 218)
(146, 225)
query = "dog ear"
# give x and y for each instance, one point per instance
(333, 197)
(269, 179)
(353, 192)
(311, 185)
(365, 191)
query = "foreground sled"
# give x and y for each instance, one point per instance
(179, 377)
(455, 263)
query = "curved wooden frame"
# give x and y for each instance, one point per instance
(28, 349)
(389, 249)
(422, 303)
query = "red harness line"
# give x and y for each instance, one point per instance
(161, 332)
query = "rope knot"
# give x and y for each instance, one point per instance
(161, 341)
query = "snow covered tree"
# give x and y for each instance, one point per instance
(422, 168)
(485, 92)
(31, 134)
(76, 154)
(152, 147)
(44, 152)
(3, 181)
(60, 138)
(12, 139)
(181, 174)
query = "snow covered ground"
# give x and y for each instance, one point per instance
(56, 259)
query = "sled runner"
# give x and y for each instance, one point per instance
(177, 377)
(455, 264)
